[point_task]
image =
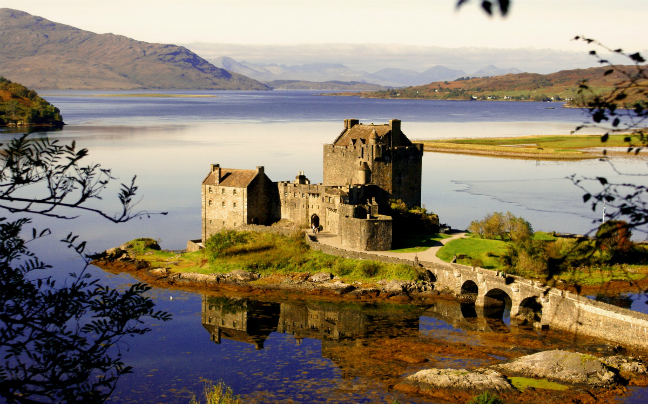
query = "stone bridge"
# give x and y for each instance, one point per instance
(527, 301)
(542, 306)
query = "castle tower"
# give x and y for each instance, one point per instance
(376, 154)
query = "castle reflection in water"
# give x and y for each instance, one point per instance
(336, 325)
(252, 321)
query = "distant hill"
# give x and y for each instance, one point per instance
(413, 78)
(322, 72)
(492, 71)
(20, 106)
(314, 72)
(47, 55)
(323, 85)
(559, 86)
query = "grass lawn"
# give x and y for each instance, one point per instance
(474, 251)
(419, 242)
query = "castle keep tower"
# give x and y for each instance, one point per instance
(380, 155)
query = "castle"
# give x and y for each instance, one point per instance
(365, 167)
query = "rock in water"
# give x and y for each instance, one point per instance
(475, 380)
(563, 366)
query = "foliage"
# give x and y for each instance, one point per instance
(614, 239)
(218, 394)
(223, 240)
(59, 343)
(486, 398)
(20, 105)
(411, 220)
(505, 227)
(267, 253)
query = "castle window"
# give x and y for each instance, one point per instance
(295, 194)
(210, 202)
(223, 191)
(210, 222)
(234, 191)
(223, 204)
(210, 190)
(234, 204)
(285, 193)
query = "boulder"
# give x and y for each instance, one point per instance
(338, 287)
(194, 277)
(115, 254)
(562, 366)
(243, 275)
(625, 364)
(395, 287)
(475, 380)
(321, 277)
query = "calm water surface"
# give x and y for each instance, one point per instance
(296, 350)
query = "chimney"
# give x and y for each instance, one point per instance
(353, 122)
(395, 126)
(260, 170)
(216, 168)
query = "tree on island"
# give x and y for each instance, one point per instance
(60, 342)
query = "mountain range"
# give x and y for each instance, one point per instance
(47, 55)
(320, 72)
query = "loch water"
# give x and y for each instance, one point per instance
(308, 351)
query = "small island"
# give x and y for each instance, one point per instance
(20, 106)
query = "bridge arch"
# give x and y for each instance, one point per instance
(530, 310)
(469, 292)
(497, 310)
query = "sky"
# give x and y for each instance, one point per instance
(419, 26)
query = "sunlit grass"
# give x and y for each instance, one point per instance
(474, 252)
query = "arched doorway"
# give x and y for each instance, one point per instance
(315, 221)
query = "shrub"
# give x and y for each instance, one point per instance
(219, 394)
(368, 268)
(613, 237)
(218, 242)
(486, 398)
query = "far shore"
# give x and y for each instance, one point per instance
(143, 95)
(539, 147)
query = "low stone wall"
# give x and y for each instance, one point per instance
(194, 245)
(340, 252)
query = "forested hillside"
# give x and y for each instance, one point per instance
(20, 106)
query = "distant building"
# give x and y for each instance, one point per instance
(365, 167)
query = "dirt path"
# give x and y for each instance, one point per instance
(428, 255)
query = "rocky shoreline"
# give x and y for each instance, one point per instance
(319, 284)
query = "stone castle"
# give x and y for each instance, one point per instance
(365, 167)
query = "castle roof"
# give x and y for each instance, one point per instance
(231, 177)
(360, 134)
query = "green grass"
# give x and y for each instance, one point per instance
(419, 242)
(474, 250)
(522, 383)
(541, 235)
(549, 147)
(268, 254)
